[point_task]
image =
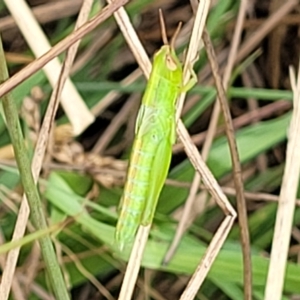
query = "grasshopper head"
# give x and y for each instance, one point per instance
(166, 62)
(167, 65)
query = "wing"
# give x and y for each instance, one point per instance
(159, 169)
(138, 175)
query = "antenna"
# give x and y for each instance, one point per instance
(163, 28)
(175, 35)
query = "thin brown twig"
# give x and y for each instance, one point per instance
(134, 263)
(229, 128)
(237, 170)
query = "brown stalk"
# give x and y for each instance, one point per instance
(237, 170)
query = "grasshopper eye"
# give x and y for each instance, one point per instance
(171, 63)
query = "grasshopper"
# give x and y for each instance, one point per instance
(155, 133)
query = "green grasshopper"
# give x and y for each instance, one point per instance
(155, 133)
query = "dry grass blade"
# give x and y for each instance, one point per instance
(223, 230)
(79, 115)
(287, 198)
(208, 258)
(37, 64)
(193, 48)
(134, 263)
(12, 257)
